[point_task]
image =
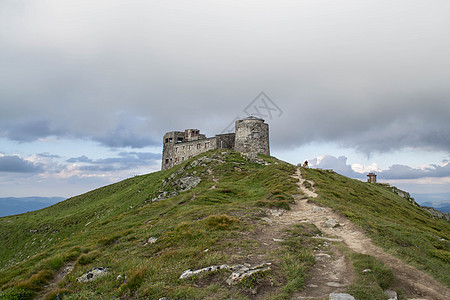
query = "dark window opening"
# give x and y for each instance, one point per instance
(167, 160)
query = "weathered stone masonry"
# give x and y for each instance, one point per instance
(251, 137)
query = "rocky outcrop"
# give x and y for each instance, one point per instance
(437, 213)
(404, 195)
(341, 296)
(93, 274)
(238, 272)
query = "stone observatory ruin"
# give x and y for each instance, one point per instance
(251, 138)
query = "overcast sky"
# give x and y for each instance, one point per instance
(88, 88)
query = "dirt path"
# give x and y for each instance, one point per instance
(53, 285)
(333, 273)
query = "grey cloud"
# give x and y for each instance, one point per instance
(48, 155)
(354, 74)
(27, 131)
(406, 172)
(125, 161)
(124, 136)
(16, 164)
(82, 158)
(339, 165)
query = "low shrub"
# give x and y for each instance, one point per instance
(220, 222)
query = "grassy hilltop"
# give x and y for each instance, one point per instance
(147, 244)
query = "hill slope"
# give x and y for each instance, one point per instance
(217, 209)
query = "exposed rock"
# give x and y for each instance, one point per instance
(189, 273)
(317, 209)
(93, 274)
(239, 272)
(152, 240)
(392, 295)
(341, 296)
(179, 185)
(267, 220)
(187, 183)
(404, 195)
(367, 271)
(327, 238)
(322, 255)
(331, 223)
(335, 284)
(437, 213)
(275, 212)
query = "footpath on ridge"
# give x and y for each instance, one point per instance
(333, 273)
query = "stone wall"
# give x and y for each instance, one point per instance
(252, 137)
(176, 153)
(225, 141)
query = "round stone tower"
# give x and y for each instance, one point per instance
(252, 136)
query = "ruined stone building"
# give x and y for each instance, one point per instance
(251, 137)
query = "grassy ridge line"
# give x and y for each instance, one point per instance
(391, 221)
(110, 227)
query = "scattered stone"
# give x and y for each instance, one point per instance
(306, 221)
(278, 240)
(242, 272)
(312, 285)
(93, 274)
(320, 255)
(267, 220)
(188, 182)
(341, 296)
(392, 295)
(437, 213)
(152, 240)
(335, 284)
(327, 239)
(367, 271)
(189, 273)
(331, 223)
(317, 209)
(275, 212)
(179, 185)
(239, 272)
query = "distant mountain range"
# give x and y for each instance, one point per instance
(439, 201)
(19, 205)
(13, 206)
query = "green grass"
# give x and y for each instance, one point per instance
(401, 228)
(110, 226)
(215, 223)
(372, 277)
